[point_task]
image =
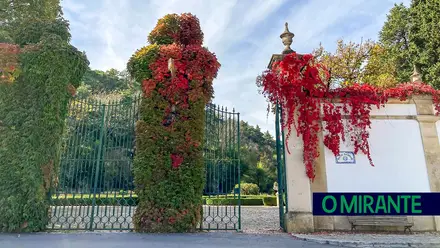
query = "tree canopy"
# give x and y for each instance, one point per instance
(407, 38)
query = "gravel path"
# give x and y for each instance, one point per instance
(260, 219)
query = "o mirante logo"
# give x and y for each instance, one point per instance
(376, 203)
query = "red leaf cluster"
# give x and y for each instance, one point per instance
(298, 84)
(8, 62)
(194, 69)
(176, 160)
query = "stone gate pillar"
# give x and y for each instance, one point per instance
(299, 216)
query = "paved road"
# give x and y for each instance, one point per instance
(134, 240)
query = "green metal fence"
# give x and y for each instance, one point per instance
(222, 210)
(281, 166)
(94, 187)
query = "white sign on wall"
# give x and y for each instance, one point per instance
(345, 157)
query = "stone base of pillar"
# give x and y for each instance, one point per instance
(437, 223)
(324, 223)
(299, 222)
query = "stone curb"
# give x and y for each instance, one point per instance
(347, 243)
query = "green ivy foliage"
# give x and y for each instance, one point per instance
(165, 193)
(166, 31)
(139, 64)
(5, 37)
(32, 120)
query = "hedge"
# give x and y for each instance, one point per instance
(270, 200)
(232, 201)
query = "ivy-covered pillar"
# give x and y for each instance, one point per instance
(176, 74)
(34, 96)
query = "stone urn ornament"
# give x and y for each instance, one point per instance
(287, 38)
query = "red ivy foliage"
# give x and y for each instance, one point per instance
(190, 31)
(8, 62)
(299, 85)
(195, 68)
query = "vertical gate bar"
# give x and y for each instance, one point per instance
(227, 137)
(231, 158)
(65, 188)
(116, 187)
(205, 154)
(135, 113)
(234, 155)
(105, 187)
(102, 107)
(211, 165)
(76, 167)
(279, 176)
(216, 161)
(64, 176)
(95, 109)
(222, 161)
(284, 161)
(120, 142)
(239, 172)
(86, 106)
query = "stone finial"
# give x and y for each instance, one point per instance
(287, 37)
(416, 77)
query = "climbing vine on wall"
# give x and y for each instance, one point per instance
(33, 109)
(299, 85)
(176, 74)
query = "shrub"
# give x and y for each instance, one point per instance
(270, 200)
(249, 189)
(168, 165)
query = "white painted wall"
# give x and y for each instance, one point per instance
(397, 153)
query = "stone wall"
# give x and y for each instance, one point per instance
(405, 148)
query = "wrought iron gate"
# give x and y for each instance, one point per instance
(281, 166)
(222, 208)
(94, 187)
(95, 184)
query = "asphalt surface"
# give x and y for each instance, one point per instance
(135, 240)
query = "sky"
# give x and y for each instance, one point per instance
(242, 33)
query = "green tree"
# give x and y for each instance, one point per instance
(424, 36)
(257, 157)
(410, 36)
(17, 13)
(394, 36)
(364, 62)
